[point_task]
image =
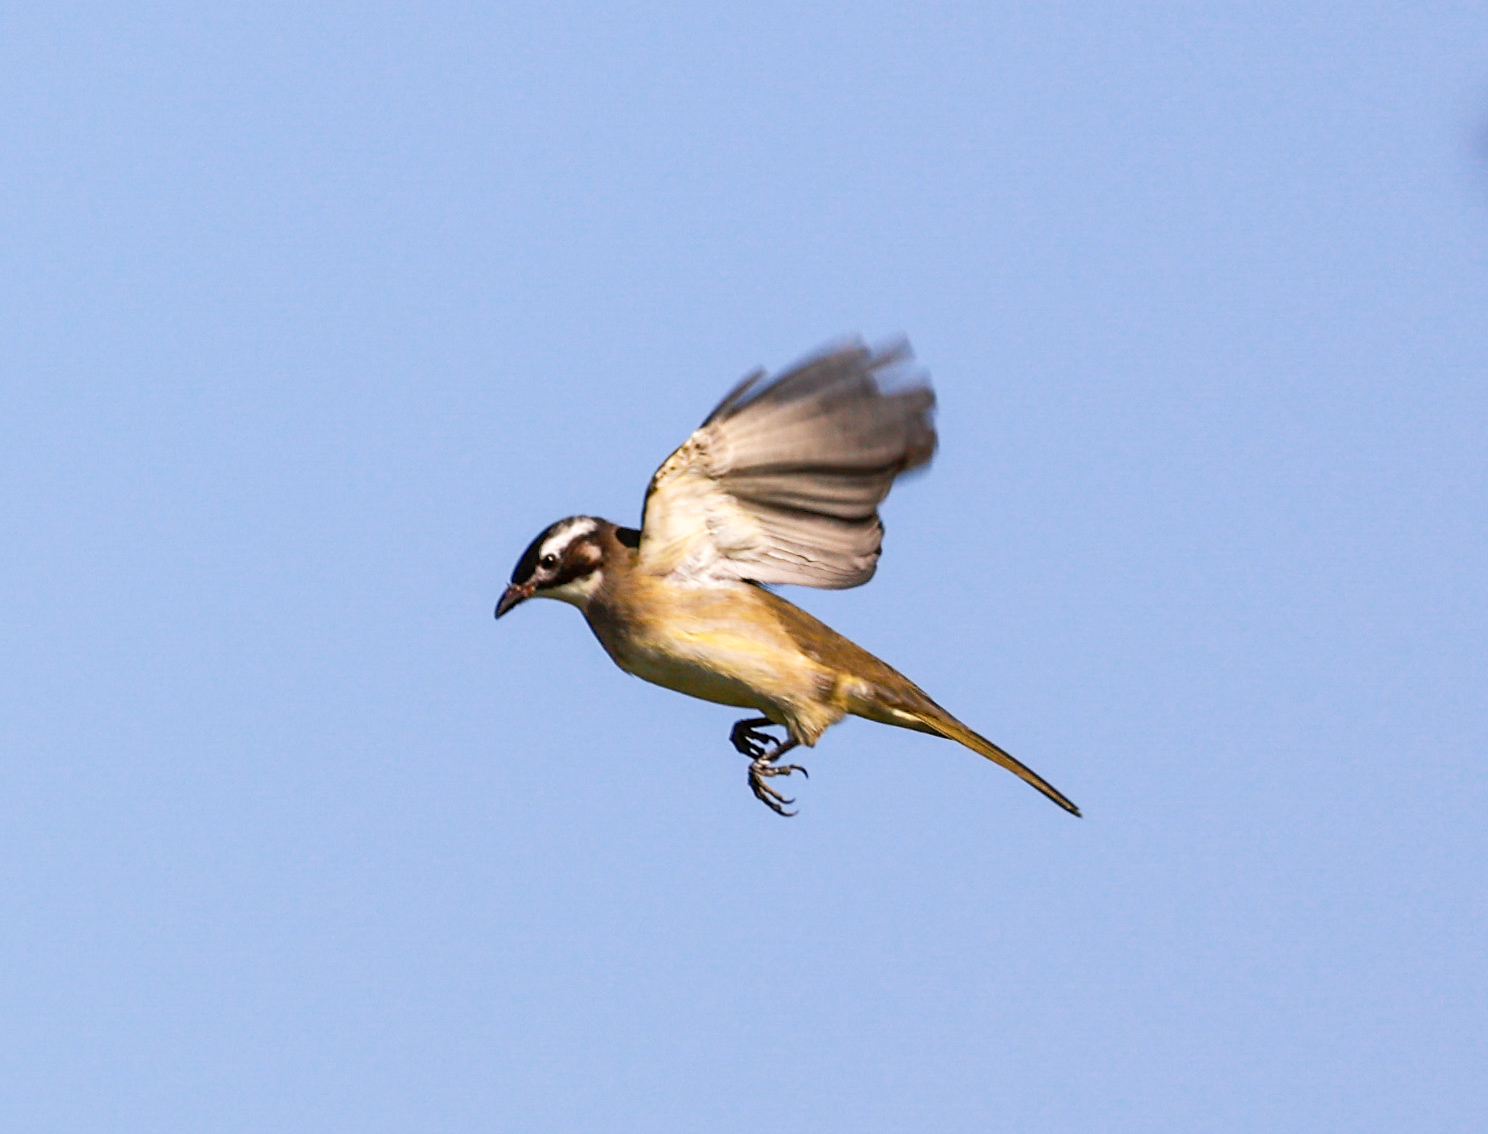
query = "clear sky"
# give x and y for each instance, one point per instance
(314, 314)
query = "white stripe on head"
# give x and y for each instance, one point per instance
(576, 528)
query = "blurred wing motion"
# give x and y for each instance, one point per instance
(782, 482)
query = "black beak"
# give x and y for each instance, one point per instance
(517, 592)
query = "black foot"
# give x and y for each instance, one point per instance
(749, 740)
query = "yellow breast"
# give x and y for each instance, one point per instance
(720, 643)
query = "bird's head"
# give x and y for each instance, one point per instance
(565, 562)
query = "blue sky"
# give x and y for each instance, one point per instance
(316, 314)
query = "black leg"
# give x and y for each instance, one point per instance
(750, 741)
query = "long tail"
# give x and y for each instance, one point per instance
(943, 724)
(908, 706)
(869, 687)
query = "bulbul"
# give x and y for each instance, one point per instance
(781, 484)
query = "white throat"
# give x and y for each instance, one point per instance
(578, 592)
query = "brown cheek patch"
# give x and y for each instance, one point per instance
(580, 561)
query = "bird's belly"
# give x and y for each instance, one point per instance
(724, 660)
(709, 677)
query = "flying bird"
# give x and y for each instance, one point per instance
(781, 484)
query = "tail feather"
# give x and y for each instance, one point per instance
(909, 707)
(943, 724)
(867, 687)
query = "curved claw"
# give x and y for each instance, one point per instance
(764, 768)
(760, 771)
(767, 795)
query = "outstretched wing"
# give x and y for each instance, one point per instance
(782, 482)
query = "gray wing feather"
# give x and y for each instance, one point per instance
(782, 482)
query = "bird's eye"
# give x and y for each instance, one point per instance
(549, 561)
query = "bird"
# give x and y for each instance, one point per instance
(780, 485)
